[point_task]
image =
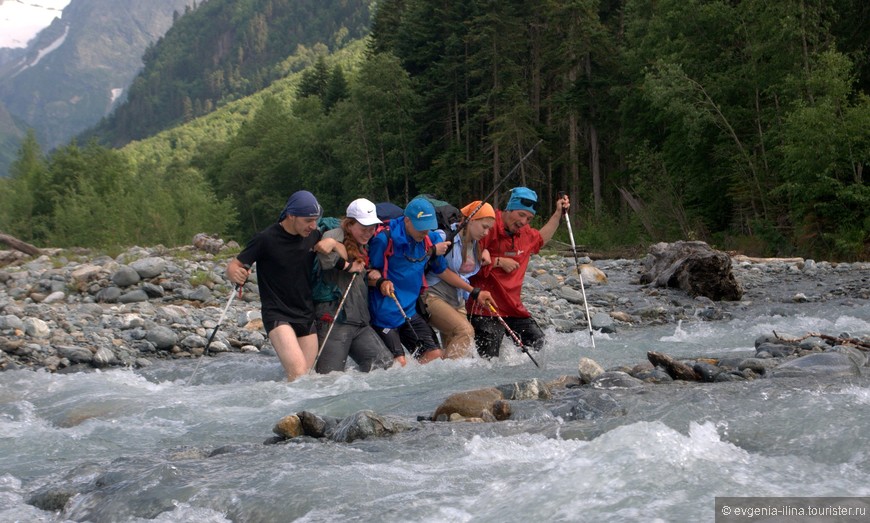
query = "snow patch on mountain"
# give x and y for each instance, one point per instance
(45, 52)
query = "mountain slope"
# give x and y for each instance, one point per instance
(75, 71)
(222, 51)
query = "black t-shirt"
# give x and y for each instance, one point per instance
(284, 262)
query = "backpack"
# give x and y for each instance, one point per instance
(322, 291)
(387, 211)
(445, 213)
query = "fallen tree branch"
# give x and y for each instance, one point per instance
(855, 342)
(19, 245)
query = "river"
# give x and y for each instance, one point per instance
(144, 445)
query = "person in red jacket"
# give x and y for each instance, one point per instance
(511, 243)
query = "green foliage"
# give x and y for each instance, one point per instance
(739, 123)
(21, 209)
(94, 197)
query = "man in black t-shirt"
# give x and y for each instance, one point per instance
(284, 256)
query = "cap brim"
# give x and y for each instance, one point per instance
(368, 221)
(425, 224)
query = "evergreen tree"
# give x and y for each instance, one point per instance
(336, 89)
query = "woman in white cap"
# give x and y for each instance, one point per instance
(342, 253)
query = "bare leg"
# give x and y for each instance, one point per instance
(456, 333)
(296, 354)
(431, 355)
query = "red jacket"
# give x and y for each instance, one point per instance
(505, 287)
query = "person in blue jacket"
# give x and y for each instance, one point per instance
(399, 255)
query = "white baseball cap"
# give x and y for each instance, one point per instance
(363, 211)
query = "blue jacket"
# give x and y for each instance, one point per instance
(405, 268)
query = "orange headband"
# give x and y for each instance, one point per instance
(486, 211)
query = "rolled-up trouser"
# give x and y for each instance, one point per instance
(488, 333)
(359, 342)
(457, 334)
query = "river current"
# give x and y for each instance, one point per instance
(144, 445)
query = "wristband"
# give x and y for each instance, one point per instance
(431, 252)
(496, 261)
(475, 292)
(379, 283)
(341, 264)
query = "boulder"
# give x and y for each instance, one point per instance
(589, 369)
(149, 267)
(824, 364)
(693, 267)
(207, 243)
(592, 275)
(288, 427)
(472, 403)
(125, 276)
(366, 424)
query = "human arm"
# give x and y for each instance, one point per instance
(377, 255)
(332, 254)
(483, 297)
(505, 263)
(549, 228)
(485, 258)
(328, 245)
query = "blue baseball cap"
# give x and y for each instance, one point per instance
(422, 215)
(523, 199)
(303, 204)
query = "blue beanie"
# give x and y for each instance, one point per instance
(522, 199)
(303, 204)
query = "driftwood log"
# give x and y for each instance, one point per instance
(19, 245)
(853, 342)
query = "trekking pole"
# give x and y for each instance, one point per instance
(334, 318)
(513, 335)
(577, 266)
(418, 345)
(452, 234)
(236, 289)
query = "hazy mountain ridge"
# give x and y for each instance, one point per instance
(223, 51)
(70, 75)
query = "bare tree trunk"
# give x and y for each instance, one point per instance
(594, 148)
(495, 170)
(19, 245)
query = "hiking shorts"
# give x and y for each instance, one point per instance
(300, 329)
(415, 334)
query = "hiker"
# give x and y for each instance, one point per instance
(343, 257)
(399, 255)
(511, 242)
(445, 302)
(284, 256)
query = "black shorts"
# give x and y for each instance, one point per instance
(418, 337)
(489, 332)
(301, 329)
